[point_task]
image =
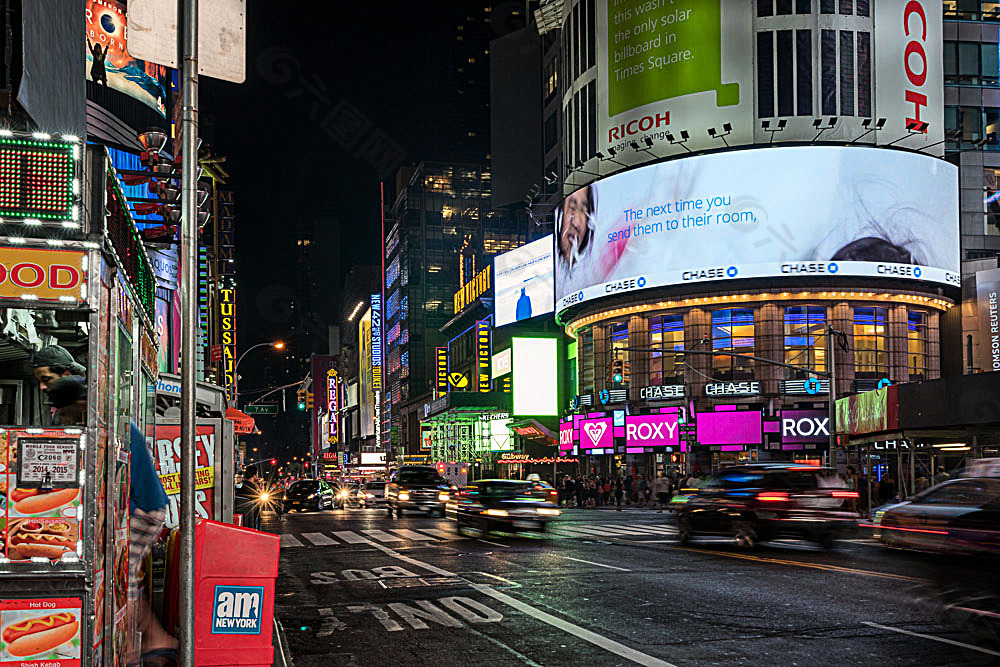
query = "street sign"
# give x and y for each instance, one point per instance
(261, 409)
(216, 351)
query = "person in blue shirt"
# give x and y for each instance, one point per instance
(523, 311)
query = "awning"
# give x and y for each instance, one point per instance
(532, 429)
(242, 422)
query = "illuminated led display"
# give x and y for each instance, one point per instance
(128, 248)
(36, 179)
(535, 376)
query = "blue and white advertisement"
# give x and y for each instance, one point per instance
(237, 610)
(524, 282)
(783, 212)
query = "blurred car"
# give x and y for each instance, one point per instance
(959, 515)
(416, 488)
(347, 493)
(503, 504)
(371, 494)
(769, 501)
(307, 494)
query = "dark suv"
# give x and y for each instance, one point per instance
(769, 501)
(416, 488)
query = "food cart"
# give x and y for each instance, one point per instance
(77, 366)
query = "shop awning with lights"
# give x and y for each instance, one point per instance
(242, 422)
(535, 431)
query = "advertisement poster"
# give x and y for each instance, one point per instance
(667, 72)
(167, 458)
(987, 291)
(761, 213)
(42, 274)
(43, 632)
(366, 399)
(729, 427)
(525, 282)
(109, 63)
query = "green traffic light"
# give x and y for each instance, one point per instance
(302, 406)
(617, 377)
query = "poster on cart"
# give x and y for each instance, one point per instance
(167, 456)
(36, 632)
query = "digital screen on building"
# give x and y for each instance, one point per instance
(729, 427)
(36, 179)
(667, 72)
(525, 282)
(535, 376)
(792, 212)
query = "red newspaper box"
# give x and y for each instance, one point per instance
(234, 571)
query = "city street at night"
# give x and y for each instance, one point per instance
(603, 588)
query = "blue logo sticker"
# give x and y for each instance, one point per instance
(832, 267)
(605, 396)
(732, 271)
(642, 281)
(916, 271)
(812, 386)
(237, 610)
(579, 297)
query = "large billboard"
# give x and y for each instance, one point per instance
(366, 398)
(109, 63)
(536, 390)
(760, 213)
(668, 72)
(524, 282)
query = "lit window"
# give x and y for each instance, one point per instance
(916, 345)
(805, 328)
(666, 337)
(732, 331)
(871, 344)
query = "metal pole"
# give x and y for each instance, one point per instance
(189, 241)
(831, 354)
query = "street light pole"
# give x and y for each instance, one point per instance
(236, 368)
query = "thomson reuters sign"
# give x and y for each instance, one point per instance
(43, 275)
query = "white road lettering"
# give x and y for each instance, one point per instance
(943, 640)
(590, 562)
(470, 610)
(331, 623)
(381, 614)
(427, 610)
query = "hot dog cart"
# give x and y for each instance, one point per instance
(78, 365)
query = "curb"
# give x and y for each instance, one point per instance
(282, 656)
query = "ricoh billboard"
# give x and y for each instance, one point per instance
(786, 212)
(668, 72)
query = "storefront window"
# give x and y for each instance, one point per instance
(618, 341)
(666, 337)
(871, 344)
(43, 367)
(732, 331)
(916, 345)
(805, 327)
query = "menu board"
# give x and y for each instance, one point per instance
(40, 632)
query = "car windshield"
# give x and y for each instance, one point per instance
(419, 476)
(504, 489)
(971, 492)
(304, 485)
(375, 486)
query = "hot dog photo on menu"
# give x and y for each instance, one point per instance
(34, 632)
(46, 538)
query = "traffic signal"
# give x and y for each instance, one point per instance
(626, 372)
(616, 374)
(301, 394)
(309, 400)
(274, 461)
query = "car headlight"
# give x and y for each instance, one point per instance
(492, 512)
(312, 495)
(443, 497)
(548, 511)
(369, 495)
(342, 494)
(403, 495)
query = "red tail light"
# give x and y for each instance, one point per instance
(846, 494)
(773, 496)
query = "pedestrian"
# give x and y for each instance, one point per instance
(567, 490)
(581, 488)
(661, 487)
(886, 490)
(619, 490)
(248, 498)
(941, 475)
(851, 481)
(628, 489)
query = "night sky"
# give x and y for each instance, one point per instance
(320, 86)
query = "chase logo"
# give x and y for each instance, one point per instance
(832, 267)
(732, 271)
(579, 297)
(917, 271)
(237, 610)
(642, 281)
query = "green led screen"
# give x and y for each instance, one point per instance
(535, 376)
(36, 179)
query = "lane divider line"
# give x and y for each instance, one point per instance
(943, 640)
(590, 562)
(496, 544)
(605, 643)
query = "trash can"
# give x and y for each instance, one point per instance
(235, 569)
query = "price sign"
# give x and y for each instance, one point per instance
(48, 461)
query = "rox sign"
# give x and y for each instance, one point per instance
(804, 426)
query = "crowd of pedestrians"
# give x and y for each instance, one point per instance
(635, 490)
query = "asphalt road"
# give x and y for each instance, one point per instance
(606, 588)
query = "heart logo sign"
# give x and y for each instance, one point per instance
(595, 430)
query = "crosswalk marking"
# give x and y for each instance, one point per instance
(350, 537)
(290, 541)
(382, 536)
(320, 540)
(412, 535)
(654, 530)
(443, 534)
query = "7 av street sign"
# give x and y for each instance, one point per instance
(261, 409)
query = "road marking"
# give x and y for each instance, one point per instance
(443, 534)
(609, 645)
(351, 537)
(331, 623)
(590, 562)
(412, 535)
(656, 530)
(496, 544)
(320, 540)
(943, 640)
(381, 536)
(288, 540)
(597, 640)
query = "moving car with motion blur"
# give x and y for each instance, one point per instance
(416, 488)
(504, 505)
(371, 494)
(957, 516)
(306, 494)
(769, 501)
